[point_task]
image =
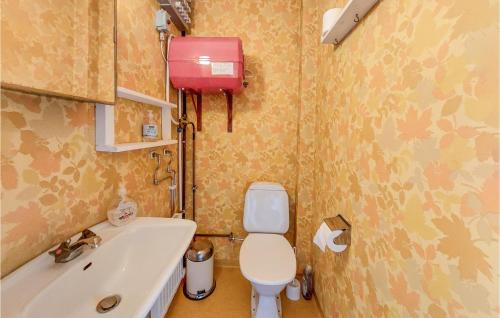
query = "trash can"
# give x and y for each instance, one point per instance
(200, 282)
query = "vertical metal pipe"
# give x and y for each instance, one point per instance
(183, 112)
(195, 187)
(184, 116)
(181, 145)
(180, 158)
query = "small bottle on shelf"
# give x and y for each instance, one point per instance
(149, 128)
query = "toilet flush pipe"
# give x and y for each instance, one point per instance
(183, 124)
(229, 236)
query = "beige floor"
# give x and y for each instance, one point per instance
(231, 299)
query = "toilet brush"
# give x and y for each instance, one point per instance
(307, 283)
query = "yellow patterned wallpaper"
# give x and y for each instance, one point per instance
(263, 144)
(54, 183)
(400, 125)
(306, 140)
(59, 47)
(407, 129)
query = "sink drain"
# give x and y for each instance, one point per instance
(109, 303)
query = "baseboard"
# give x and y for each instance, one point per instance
(225, 263)
(318, 305)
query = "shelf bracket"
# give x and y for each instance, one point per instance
(229, 99)
(199, 110)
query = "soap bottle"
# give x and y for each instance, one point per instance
(149, 128)
(124, 211)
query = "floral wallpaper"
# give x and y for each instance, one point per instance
(396, 128)
(140, 64)
(407, 129)
(263, 144)
(71, 45)
(306, 140)
(54, 183)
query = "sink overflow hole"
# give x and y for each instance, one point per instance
(108, 303)
(87, 266)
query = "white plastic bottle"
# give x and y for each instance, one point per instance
(125, 211)
(149, 128)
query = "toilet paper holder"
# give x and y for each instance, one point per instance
(340, 223)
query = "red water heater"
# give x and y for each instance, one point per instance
(207, 65)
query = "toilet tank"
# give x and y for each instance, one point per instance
(206, 64)
(266, 208)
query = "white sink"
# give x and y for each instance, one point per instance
(134, 261)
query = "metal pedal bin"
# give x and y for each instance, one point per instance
(200, 282)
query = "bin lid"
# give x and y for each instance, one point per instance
(200, 251)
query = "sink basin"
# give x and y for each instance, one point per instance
(134, 261)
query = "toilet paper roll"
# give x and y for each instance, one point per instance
(321, 236)
(331, 244)
(325, 237)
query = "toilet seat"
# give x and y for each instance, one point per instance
(267, 259)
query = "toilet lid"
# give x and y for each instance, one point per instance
(267, 259)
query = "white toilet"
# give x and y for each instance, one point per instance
(267, 259)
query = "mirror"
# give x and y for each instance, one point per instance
(63, 48)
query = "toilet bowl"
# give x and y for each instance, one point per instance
(267, 259)
(268, 262)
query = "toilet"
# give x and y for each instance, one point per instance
(267, 259)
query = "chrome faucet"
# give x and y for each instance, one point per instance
(67, 251)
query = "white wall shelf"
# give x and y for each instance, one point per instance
(350, 16)
(142, 98)
(135, 146)
(105, 123)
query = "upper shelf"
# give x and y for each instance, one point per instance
(142, 98)
(105, 123)
(134, 146)
(352, 13)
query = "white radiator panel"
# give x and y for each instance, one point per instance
(163, 301)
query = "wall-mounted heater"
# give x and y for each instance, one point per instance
(207, 65)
